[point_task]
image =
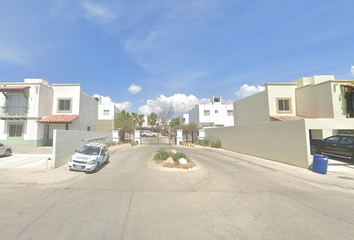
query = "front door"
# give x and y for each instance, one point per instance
(46, 135)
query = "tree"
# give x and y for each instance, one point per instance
(165, 114)
(152, 118)
(135, 118)
(174, 122)
(124, 121)
(141, 120)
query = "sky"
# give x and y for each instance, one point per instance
(144, 54)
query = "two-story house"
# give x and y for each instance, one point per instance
(32, 109)
(106, 113)
(214, 114)
(279, 122)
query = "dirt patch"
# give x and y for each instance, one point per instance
(163, 163)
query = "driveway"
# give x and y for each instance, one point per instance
(233, 196)
(23, 161)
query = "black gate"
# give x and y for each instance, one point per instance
(159, 138)
(126, 137)
(190, 137)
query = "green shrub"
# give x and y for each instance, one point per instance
(179, 155)
(216, 144)
(134, 143)
(162, 154)
(204, 142)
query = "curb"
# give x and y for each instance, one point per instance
(166, 169)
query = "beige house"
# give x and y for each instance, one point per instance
(279, 122)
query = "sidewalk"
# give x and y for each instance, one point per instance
(30, 178)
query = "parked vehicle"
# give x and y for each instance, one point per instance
(5, 150)
(147, 133)
(341, 145)
(89, 157)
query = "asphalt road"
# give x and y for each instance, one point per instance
(231, 197)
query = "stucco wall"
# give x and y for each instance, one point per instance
(252, 109)
(112, 111)
(280, 90)
(66, 142)
(45, 105)
(71, 91)
(285, 142)
(88, 113)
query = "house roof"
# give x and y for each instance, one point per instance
(58, 118)
(347, 85)
(286, 117)
(9, 88)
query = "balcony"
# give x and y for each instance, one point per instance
(13, 112)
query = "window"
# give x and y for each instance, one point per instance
(206, 113)
(334, 139)
(15, 130)
(284, 105)
(88, 128)
(216, 111)
(230, 112)
(64, 105)
(105, 112)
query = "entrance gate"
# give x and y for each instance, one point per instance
(126, 137)
(160, 139)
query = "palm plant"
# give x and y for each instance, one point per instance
(152, 118)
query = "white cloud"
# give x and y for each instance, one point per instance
(180, 103)
(352, 70)
(108, 101)
(98, 13)
(246, 91)
(133, 89)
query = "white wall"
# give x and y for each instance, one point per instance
(286, 141)
(72, 91)
(252, 109)
(66, 142)
(88, 112)
(280, 90)
(112, 111)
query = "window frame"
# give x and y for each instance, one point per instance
(207, 111)
(105, 110)
(231, 111)
(9, 124)
(284, 99)
(64, 99)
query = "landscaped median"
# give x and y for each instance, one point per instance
(174, 161)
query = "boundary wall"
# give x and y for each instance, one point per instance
(283, 141)
(65, 142)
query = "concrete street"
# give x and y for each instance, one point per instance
(233, 196)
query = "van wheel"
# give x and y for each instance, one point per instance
(314, 149)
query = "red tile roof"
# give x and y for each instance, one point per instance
(286, 117)
(13, 87)
(58, 118)
(348, 85)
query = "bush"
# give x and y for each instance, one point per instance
(216, 144)
(179, 155)
(134, 143)
(204, 142)
(162, 154)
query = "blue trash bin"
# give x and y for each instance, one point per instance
(320, 163)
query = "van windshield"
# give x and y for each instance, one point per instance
(89, 150)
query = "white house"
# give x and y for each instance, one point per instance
(279, 122)
(184, 119)
(214, 114)
(32, 109)
(106, 113)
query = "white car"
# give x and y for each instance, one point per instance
(5, 150)
(147, 133)
(89, 157)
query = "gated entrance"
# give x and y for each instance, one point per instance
(159, 139)
(190, 137)
(126, 137)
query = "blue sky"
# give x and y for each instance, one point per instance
(180, 52)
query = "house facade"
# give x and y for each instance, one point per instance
(279, 122)
(184, 119)
(214, 114)
(32, 109)
(106, 113)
